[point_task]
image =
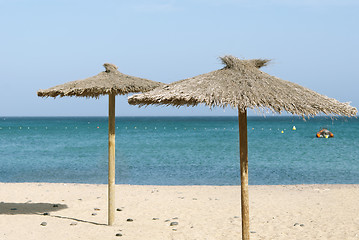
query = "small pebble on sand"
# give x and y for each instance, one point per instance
(129, 220)
(119, 209)
(118, 234)
(173, 223)
(94, 214)
(43, 224)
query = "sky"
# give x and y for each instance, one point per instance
(45, 43)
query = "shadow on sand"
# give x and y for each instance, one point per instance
(44, 209)
(29, 208)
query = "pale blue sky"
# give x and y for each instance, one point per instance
(44, 43)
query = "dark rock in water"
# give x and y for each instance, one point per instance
(13, 209)
(155, 219)
(173, 223)
(129, 220)
(119, 209)
(43, 224)
(46, 214)
(55, 205)
(94, 214)
(118, 234)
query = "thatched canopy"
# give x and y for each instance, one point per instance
(109, 81)
(240, 84)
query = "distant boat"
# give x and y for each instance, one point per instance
(324, 133)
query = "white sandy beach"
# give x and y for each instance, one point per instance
(202, 212)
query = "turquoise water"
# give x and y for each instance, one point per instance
(178, 150)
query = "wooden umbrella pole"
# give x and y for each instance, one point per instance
(243, 150)
(111, 160)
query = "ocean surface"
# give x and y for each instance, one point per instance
(178, 150)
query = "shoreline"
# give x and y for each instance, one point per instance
(315, 211)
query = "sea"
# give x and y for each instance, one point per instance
(179, 150)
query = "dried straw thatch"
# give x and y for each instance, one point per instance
(240, 84)
(108, 82)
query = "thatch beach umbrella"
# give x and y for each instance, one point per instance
(110, 82)
(240, 84)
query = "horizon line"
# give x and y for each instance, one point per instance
(264, 116)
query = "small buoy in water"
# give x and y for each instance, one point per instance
(282, 131)
(326, 136)
(294, 128)
(98, 127)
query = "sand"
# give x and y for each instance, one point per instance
(202, 212)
